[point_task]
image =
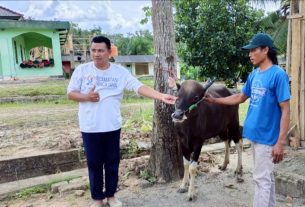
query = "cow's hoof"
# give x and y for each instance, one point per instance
(222, 167)
(182, 190)
(239, 178)
(239, 171)
(191, 198)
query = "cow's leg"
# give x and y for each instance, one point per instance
(193, 173)
(186, 176)
(227, 155)
(193, 170)
(239, 168)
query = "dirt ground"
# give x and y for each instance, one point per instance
(33, 129)
(214, 188)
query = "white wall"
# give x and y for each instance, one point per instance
(150, 68)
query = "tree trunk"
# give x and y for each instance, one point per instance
(165, 158)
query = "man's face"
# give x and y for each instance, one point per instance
(99, 52)
(258, 55)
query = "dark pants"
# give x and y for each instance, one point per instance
(103, 153)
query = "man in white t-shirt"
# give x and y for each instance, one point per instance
(98, 86)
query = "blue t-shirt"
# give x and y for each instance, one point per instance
(266, 90)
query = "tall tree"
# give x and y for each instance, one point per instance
(165, 158)
(212, 34)
(276, 24)
(140, 43)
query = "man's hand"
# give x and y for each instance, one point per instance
(210, 99)
(169, 99)
(278, 153)
(93, 96)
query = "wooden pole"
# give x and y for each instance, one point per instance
(302, 84)
(302, 91)
(295, 74)
(296, 69)
(288, 52)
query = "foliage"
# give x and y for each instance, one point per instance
(148, 14)
(276, 24)
(211, 33)
(139, 43)
(144, 174)
(190, 72)
(132, 147)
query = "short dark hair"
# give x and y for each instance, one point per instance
(100, 39)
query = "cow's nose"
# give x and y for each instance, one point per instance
(178, 114)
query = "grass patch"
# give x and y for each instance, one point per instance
(243, 108)
(40, 103)
(138, 116)
(58, 180)
(54, 87)
(28, 192)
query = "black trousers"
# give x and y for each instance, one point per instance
(103, 155)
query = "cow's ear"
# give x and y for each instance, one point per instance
(178, 86)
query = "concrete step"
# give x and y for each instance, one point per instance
(15, 186)
(290, 174)
(19, 168)
(10, 188)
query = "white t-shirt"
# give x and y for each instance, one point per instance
(105, 115)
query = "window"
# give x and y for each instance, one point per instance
(16, 52)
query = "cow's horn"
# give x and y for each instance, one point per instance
(209, 83)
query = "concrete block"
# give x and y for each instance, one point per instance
(44, 164)
(290, 184)
(55, 186)
(72, 187)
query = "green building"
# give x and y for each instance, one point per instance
(21, 40)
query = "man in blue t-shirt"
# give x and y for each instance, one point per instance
(267, 120)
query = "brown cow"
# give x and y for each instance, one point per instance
(196, 120)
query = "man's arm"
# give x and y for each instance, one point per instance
(278, 149)
(151, 93)
(90, 97)
(229, 100)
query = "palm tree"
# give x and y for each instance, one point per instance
(276, 23)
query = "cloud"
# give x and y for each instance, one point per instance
(38, 9)
(111, 16)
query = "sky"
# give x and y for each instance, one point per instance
(115, 16)
(112, 16)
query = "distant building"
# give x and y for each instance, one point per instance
(18, 38)
(140, 64)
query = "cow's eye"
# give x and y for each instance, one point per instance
(196, 98)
